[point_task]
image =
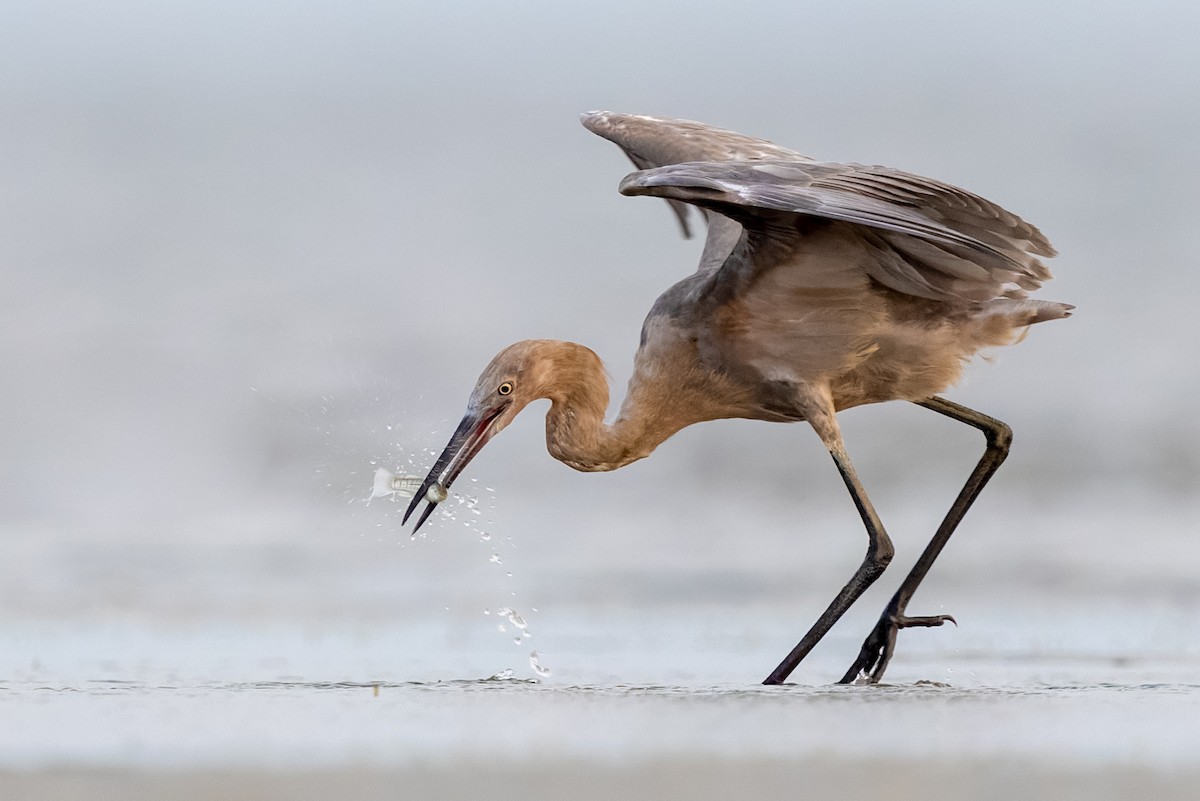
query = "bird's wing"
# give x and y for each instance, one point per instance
(932, 239)
(652, 142)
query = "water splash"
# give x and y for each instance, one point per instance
(459, 507)
(536, 664)
(513, 618)
(469, 510)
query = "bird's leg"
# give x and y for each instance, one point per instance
(881, 642)
(879, 553)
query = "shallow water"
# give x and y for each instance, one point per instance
(283, 698)
(291, 641)
(295, 724)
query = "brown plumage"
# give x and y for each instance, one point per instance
(822, 286)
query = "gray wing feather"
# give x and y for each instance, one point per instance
(953, 207)
(652, 142)
(934, 240)
(678, 206)
(723, 235)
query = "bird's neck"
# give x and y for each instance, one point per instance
(576, 432)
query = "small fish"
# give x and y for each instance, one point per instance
(388, 483)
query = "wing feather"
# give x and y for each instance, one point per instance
(652, 142)
(935, 240)
(931, 239)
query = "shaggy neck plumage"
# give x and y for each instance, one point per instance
(576, 433)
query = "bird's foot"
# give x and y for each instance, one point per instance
(880, 644)
(927, 622)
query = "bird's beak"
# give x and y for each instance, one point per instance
(476, 428)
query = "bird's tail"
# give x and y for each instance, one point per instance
(1006, 321)
(1025, 311)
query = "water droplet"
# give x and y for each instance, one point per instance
(517, 640)
(500, 627)
(494, 558)
(538, 667)
(485, 536)
(503, 675)
(487, 611)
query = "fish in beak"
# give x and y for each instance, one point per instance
(477, 427)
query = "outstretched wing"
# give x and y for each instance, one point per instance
(931, 239)
(652, 142)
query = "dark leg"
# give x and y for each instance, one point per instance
(881, 642)
(879, 553)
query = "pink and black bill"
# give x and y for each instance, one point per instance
(468, 439)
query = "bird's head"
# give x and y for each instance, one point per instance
(520, 373)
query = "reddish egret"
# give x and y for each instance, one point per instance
(822, 286)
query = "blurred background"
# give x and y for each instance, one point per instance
(253, 252)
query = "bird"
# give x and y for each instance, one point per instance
(822, 286)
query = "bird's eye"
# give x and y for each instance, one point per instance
(506, 388)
